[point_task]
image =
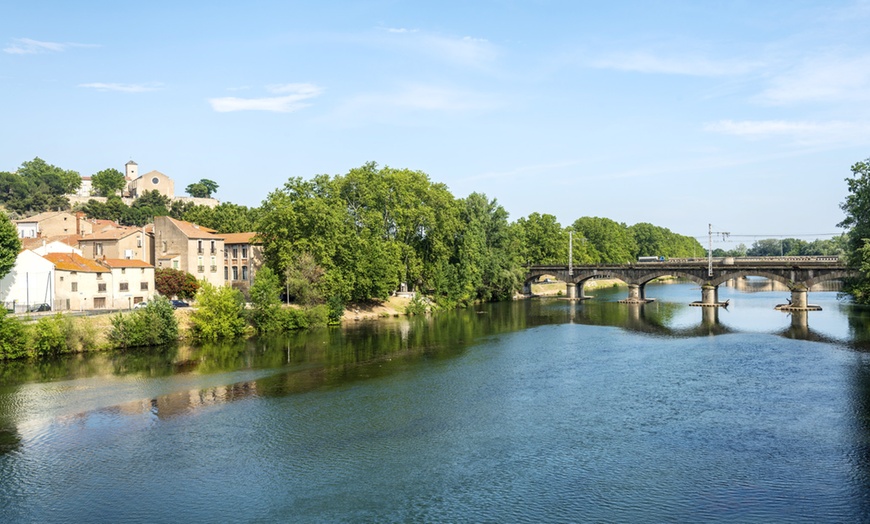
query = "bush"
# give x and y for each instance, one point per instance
(417, 306)
(49, 336)
(13, 338)
(219, 313)
(152, 325)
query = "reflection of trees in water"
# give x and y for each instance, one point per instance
(859, 455)
(762, 284)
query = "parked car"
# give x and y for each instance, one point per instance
(140, 305)
(178, 303)
(39, 307)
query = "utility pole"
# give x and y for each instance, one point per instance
(570, 253)
(710, 233)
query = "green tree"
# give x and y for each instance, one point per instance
(152, 325)
(205, 188)
(266, 301)
(219, 313)
(607, 241)
(857, 210)
(544, 240)
(108, 182)
(10, 245)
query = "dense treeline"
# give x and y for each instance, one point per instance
(790, 247)
(376, 228)
(36, 187)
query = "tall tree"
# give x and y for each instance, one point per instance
(108, 182)
(544, 240)
(607, 241)
(205, 188)
(857, 209)
(10, 245)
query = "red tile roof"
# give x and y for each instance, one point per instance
(124, 262)
(73, 262)
(240, 238)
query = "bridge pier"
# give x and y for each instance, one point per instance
(798, 300)
(636, 295)
(709, 297)
(571, 291)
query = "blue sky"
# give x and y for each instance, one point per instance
(747, 115)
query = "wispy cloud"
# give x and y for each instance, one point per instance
(462, 50)
(645, 62)
(416, 100)
(821, 79)
(292, 99)
(28, 46)
(800, 131)
(123, 88)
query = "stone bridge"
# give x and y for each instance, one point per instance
(797, 273)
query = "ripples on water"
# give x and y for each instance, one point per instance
(528, 412)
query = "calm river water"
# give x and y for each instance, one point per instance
(533, 411)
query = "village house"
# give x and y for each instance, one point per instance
(191, 248)
(133, 281)
(151, 181)
(53, 224)
(83, 284)
(43, 246)
(131, 243)
(243, 256)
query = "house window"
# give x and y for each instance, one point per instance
(74, 286)
(213, 264)
(244, 251)
(143, 286)
(244, 272)
(164, 246)
(199, 246)
(212, 246)
(235, 273)
(98, 249)
(155, 181)
(99, 276)
(226, 273)
(101, 288)
(139, 242)
(124, 286)
(123, 271)
(235, 252)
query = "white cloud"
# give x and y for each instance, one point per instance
(800, 131)
(644, 62)
(822, 79)
(466, 51)
(278, 104)
(123, 88)
(28, 46)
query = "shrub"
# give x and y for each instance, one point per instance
(219, 313)
(266, 315)
(50, 335)
(417, 306)
(335, 309)
(13, 338)
(152, 325)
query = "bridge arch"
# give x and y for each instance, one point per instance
(721, 279)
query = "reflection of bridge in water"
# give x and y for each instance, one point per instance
(797, 274)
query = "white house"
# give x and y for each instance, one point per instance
(31, 282)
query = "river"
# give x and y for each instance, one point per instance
(532, 411)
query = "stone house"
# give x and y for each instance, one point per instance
(53, 224)
(131, 243)
(191, 248)
(243, 256)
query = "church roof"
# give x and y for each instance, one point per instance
(131, 163)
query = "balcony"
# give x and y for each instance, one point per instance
(200, 269)
(214, 269)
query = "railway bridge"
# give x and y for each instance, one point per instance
(799, 274)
